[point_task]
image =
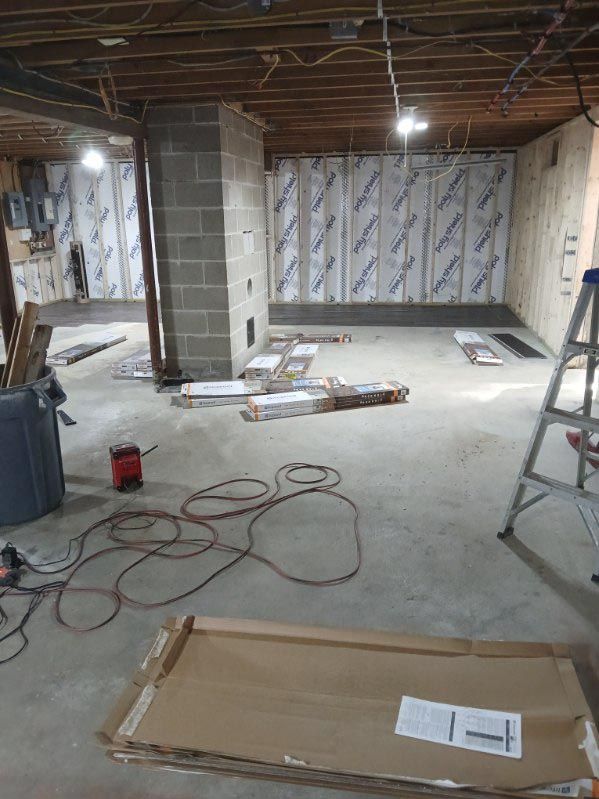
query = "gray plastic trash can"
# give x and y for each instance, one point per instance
(31, 476)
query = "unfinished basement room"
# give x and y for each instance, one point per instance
(299, 437)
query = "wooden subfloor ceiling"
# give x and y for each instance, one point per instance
(311, 92)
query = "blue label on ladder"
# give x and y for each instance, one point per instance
(591, 276)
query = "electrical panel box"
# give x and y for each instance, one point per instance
(51, 208)
(15, 210)
(41, 205)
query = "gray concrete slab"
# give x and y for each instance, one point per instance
(431, 478)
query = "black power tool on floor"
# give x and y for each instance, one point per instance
(10, 570)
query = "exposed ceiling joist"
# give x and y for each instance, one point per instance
(449, 57)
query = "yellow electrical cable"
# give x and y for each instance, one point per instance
(401, 56)
(64, 103)
(261, 83)
(455, 160)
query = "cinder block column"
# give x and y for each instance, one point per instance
(206, 182)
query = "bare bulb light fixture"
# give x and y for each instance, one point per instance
(93, 160)
(406, 123)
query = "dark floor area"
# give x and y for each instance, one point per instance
(397, 315)
(96, 312)
(72, 314)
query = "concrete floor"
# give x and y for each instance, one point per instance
(431, 478)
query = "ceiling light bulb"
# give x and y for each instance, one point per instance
(421, 126)
(93, 160)
(405, 125)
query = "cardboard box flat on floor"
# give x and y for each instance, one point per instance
(319, 706)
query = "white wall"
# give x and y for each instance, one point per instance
(99, 209)
(375, 228)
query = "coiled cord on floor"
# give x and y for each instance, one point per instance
(121, 524)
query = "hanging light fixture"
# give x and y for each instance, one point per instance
(406, 123)
(93, 160)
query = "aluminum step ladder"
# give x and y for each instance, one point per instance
(586, 501)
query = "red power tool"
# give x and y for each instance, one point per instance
(126, 466)
(10, 566)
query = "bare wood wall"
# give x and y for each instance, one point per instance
(554, 226)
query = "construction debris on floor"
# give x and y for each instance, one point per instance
(516, 346)
(357, 710)
(135, 367)
(313, 338)
(237, 392)
(476, 349)
(127, 530)
(27, 351)
(299, 362)
(322, 400)
(268, 364)
(73, 354)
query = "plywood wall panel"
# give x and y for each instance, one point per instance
(554, 226)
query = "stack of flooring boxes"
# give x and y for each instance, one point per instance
(327, 398)
(136, 366)
(299, 362)
(236, 392)
(269, 363)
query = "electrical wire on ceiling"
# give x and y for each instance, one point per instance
(455, 160)
(64, 103)
(574, 43)
(211, 64)
(273, 66)
(91, 21)
(264, 125)
(126, 531)
(437, 177)
(583, 105)
(240, 22)
(113, 113)
(389, 55)
(558, 17)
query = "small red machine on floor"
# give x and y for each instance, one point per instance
(126, 466)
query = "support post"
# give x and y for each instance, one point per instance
(8, 303)
(147, 254)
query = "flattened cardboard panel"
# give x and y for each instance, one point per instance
(395, 203)
(271, 694)
(312, 233)
(286, 216)
(448, 244)
(366, 213)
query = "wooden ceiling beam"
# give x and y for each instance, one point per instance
(131, 75)
(521, 27)
(235, 40)
(438, 79)
(423, 10)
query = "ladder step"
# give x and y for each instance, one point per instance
(559, 416)
(556, 488)
(582, 348)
